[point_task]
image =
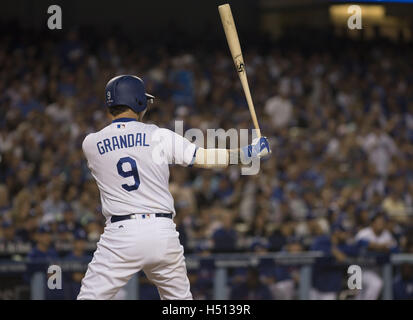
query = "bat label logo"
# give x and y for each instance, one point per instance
(239, 64)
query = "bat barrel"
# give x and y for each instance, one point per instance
(236, 53)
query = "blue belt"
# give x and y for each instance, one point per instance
(140, 216)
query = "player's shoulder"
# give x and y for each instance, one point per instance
(149, 126)
(92, 137)
(157, 132)
(87, 141)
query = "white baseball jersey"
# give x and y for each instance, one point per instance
(129, 161)
(368, 234)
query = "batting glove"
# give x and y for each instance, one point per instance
(257, 149)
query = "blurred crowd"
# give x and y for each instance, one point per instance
(339, 118)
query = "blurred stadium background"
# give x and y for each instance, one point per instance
(337, 105)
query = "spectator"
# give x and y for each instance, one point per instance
(403, 286)
(43, 251)
(5, 204)
(280, 236)
(252, 289)
(377, 240)
(380, 147)
(26, 232)
(403, 283)
(41, 257)
(328, 276)
(7, 233)
(202, 278)
(276, 277)
(78, 254)
(394, 205)
(279, 108)
(53, 207)
(225, 237)
(69, 226)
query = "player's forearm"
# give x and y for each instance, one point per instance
(213, 158)
(222, 158)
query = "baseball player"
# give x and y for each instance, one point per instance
(129, 161)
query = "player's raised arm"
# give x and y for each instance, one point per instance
(221, 158)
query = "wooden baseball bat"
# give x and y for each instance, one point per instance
(235, 48)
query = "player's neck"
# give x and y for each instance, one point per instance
(127, 114)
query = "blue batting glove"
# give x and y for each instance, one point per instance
(257, 149)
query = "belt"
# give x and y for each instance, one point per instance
(138, 215)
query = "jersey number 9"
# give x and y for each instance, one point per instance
(133, 172)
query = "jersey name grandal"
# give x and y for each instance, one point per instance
(122, 141)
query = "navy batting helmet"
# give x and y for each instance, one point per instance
(128, 91)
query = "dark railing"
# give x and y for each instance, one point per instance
(220, 263)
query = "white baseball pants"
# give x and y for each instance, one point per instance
(129, 246)
(372, 285)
